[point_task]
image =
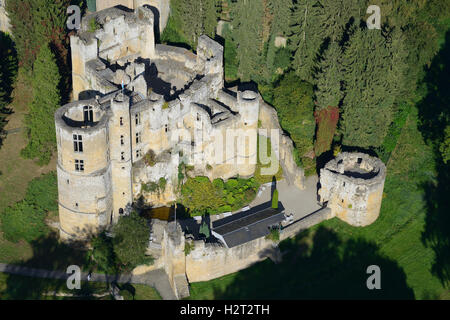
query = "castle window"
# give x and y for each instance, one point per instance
(88, 114)
(138, 118)
(77, 143)
(76, 204)
(198, 116)
(166, 127)
(121, 141)
(79, 165)
(121, 121)
(359, 160)
(138, 153)
(67, 181)
(138, 137)
(120, 211)
(122, 156)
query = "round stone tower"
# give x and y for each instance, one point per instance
(352, 187)
(84, 175)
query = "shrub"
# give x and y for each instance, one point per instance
(162, 184)
(93, 25)
(275, 199)
(23, 220)
(188, 247)
(130, 241)
(150, 158)
(274, 234)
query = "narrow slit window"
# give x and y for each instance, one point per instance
(121, 121)
(122, 141)
(138, 118)
(122, 156)
(138, 137)
(166, 128)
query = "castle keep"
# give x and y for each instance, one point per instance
(136, 96)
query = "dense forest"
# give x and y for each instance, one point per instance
(335, 84)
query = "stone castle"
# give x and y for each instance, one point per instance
(136, 99)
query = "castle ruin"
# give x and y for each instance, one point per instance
(351, 185)
(137, 97)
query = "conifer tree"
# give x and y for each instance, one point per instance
(372, 85)
(306, 37)
(46, 99)
(329, 77)
(247, 34)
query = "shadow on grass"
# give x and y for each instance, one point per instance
(434, 113)
(319, 266)
(49, 254)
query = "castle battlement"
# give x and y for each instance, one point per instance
(137, 97)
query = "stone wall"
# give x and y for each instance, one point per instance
(269, 120)
(352, 185)
(4, 20)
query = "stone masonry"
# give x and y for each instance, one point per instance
(351, 185)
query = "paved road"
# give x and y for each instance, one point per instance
(156, 278)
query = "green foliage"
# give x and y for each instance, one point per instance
(43, 192)
(275, 199)
(150, 158)
(130, 241)
(202, 196)
(204, 230)
(30, 33)
(192, 18)
(188, 247)
(149, 186)
(102, 254)
(260, 176)
(444, 148)
(162, 182)
(93, 25)
(26, 219)
(294, 104)
(367, 106)
(248, 34)
(274, 235)
(23, 221)
(46, 99)
(329, 91)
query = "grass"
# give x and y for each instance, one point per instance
(16, 171)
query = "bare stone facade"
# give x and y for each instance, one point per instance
(352, 187)
(137, 96)
(162, 7)
(4, 20)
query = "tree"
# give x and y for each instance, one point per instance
(371, 87)
(102, 253)
(294, 104)
(247, 24)
(130, 241)
(46, 99)
(329, 92)
(196, 17)
(305, 37)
